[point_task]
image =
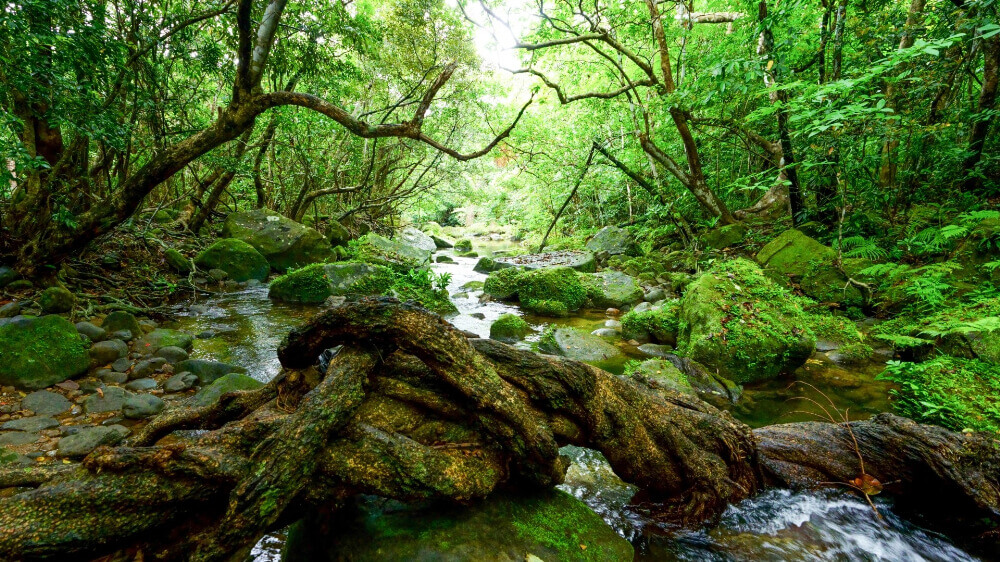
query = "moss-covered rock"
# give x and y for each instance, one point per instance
(165, 337)
(579, 260)
(737, 321)
(661, 323)
(463, 245)
(613, 240)
(504, 283)
(283, 242)
(241, 261)
(725, 236)
(177, 261)
(122, 321)
(545, 307)
(309, 285)
(56, 300)
(224, 384)
(576, 344)
(611, 289)
(372, 248)
(505, 527)
(509, 328)
(39, 352)
(489, 265)
(337, 234)
(663, 374)
(7, 276)
(560, 284)
(795, 257)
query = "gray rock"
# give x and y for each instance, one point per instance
(140, 385)
(146, 367)
(577, 259)
(417, 239)
(18, 438)
(142, 406)
(576, 344)
(400, 256)
(108, 351)
(172, 354)
(33, 424)
(121, 320)
(614, 324)
(489, 265)
(223, 385)
(46, 403)
(112, 401)
(89, 438)
(614, 241)
(124, 335)
(207, 371)
(164, 337)
(112, 377)
(605, 333)
(656, 350)
(10, 310)
(655, 295)
(122, 365)
(642, 307)
(206, 335)
(180, 382)
(93, 333)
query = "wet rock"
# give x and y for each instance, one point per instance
(441, 243)
(141, 385)
(142, 406)
(239, 260)
(655, 349)
(165, 337)
(112, 400)
(444, 258)
(576, 259)
(46, 403)
(39, 352)
(399, 256)
(489, 265)
(605, 333)
(93, 333)
(112, 377)
(18, 438)
(314, 283)
(178, 261)
(231, 382)
(654, 295)
(180, 382)
(663, 374)
(172, 354)
(10, 310)
(613, 240)
(417, 239)
(284, 243)
(31, 424)
(207, 371)
(108, 351)
(119, 321)
(56, 300)
(611, 323)
(146, 367)
(509, 328)
(611, 289)
(122, 365)
(206, 335)
(576, 344)
(89, 438)
(795, 257)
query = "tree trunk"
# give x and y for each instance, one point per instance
(404, 406)
(987, 101)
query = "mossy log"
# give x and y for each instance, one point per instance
(408, 407)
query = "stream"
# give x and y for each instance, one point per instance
(244, 328)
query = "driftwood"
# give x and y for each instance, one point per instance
(409, 407)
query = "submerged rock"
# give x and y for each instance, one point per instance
(283, 242)
(239, 260)
(38, 352)
(615, 241)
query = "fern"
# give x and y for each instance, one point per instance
(885, 270)
(861, 247)
(903, 342)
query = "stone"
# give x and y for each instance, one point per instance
(605, 333)
(141, 385)
(314, 283)
(796, 258)
(180, 382)
(178, 261)
(722, 237)
(165, 337)
(284, 243)
(123, 335)
(444, 258)
(417, 239)
(613, 240)
(576, 344)
(399, 256)
(31, 424)
(20, 285)
(611, 289)
(140, 406)
(207, 371)
(56, 300)
(39, 352)
(654, 295)
(112, 400)
(146, 367)
(18, 438)
(46, 403)
(217, 275)
(463, 245)
(93, 333)
(509, 526)
(89, 438)
(337, 234)
(7, 276)
(120, 320)
(172, 354)
(509, 328)
(112, 377)
(108, 351)
(489, 265)
(231, 382)
(576, 259)
(656, 349)
(10, 310)
(122, 365)
(664, 375)
(441, 243)
(239, 260)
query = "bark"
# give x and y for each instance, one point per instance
(987, 101)
(405, 406)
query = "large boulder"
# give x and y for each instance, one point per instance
(576, 259)
(417, 239)
(613, 240)
(576, 344)
(796, 258)
(611, 289)
(397, 255)
(240, 261)
(552, 291)
(39, 352)
(284, 242)
(505, 527)
(317, 282)
(739, 323)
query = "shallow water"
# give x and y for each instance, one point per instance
(776, 525)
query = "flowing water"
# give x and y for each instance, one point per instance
(776, 525)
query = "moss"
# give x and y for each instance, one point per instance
(38, 352)
(237, 258)
(504, 283)
(551, 308)
(560, 284)
(56, 299)
(463, 245)
(379, 282)
(177, 261)
(509, 328)
(797, 257)
(308, 284)
(662, 324)
(949, 391)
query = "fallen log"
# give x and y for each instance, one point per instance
(408, 407)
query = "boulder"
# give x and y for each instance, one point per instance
(207, 371)
(106, 352)
(165, 337)
(283, 242)
(509, 328)
(46, 403)
(739, 323)
(178, 261)
(576, 259)
(795, 257)
(56, 300)
(413, 237)
(38, 352)
(725, 236)
(397, 255)
(489, 265)
(120, 320)
(441, 243)
(663, 374)
(87, 439)
(7, 276)
(576, 344)
(314, 283)
(613, 240)
(505, 527)
(140, 406)
(93, 333)
(611, 289)
(463, 245)
(337, 234)
(231, 382)
(240, 261)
